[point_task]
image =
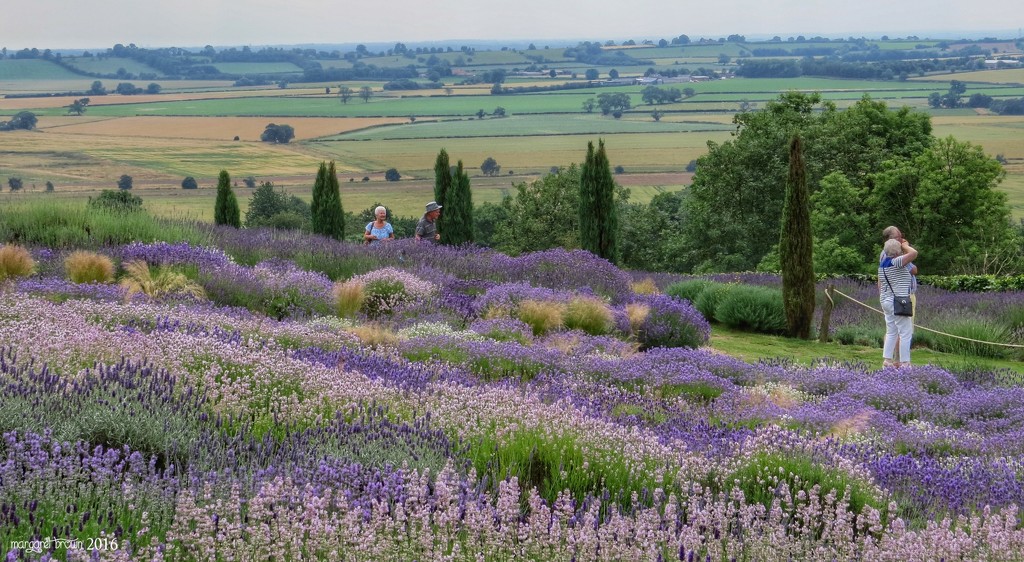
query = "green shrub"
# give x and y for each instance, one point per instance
(857, 334)
(43, 223)
(754, 308)
(120, 201)
(382, 295)
(706, 302)
(761, 477)
(89, 267)
(974, 328)
(591, 315)
(688, 290)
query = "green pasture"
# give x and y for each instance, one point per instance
(528, 125)
(903, 45)
(330, 106)
(111, 65)
(34, 69)
(334, 63)
(254, 68)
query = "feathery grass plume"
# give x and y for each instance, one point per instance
(637, 313)
(646, 286)
(541, 316)
(375, 336)
(589, 314)
(84, 266)
(139, 279)
(15, 261)
(349, 298)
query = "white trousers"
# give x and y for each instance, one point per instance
(896, 327)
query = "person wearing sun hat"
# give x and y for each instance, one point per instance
(427, 227)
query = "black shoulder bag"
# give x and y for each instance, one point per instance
(901, 305)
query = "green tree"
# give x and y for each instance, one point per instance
(638, 248)
(15, 184)
(611, 102)
(153, 88)
(591, 74)
(365, 93)
(597, 213)
(796, 250)
(490, 167)
(486, 219)
(270, 207)
(945, 200)
(78, 106)
(225, 208)
(345, 93)
(589, 104)
(392, 174)
(97, 89)
(125, 182)
(442, 187)
(282, 134)
(458, 208)
(735, 205)
(328, 215)
(189, 183)
(23, 120)
(543, 214)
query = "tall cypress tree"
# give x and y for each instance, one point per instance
(328, 216)
(225, 209)
(458, 207)
(599, 221)
(796, 249)
(442, 188)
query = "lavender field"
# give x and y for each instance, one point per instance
(272, 396)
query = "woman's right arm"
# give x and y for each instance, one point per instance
(909, 254)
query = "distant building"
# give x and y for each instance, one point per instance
(1002, 63)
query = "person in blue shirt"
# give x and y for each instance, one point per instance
(379, 229)
(894, 233)
(894, 279)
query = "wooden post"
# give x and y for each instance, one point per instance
(826, 313)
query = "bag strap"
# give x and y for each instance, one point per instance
(888, 283)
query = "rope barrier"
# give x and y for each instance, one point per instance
(869, 307)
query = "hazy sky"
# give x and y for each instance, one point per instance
(93, 24)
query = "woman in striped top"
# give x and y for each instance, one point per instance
(894, 279)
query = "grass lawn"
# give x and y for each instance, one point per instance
(751, 347)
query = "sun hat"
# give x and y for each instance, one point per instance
(432, 206)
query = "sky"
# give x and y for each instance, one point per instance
(99, 24)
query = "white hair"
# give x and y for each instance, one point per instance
(379, 209)
(892, 247)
